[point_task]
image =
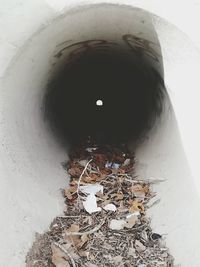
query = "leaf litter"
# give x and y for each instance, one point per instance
(104, 222)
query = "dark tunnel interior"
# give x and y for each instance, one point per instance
(130, 89)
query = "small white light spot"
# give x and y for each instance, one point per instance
(99, 102)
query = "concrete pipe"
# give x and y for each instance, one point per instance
(56, 69)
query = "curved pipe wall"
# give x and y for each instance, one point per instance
(30, 169)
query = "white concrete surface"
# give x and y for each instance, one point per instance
(30, 171)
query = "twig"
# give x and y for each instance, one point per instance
(65, 251)
(79, 180)
(149, 181)
(87, 232)
(71, 216)
(154, 203)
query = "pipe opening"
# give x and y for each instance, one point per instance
(104, 91)
(99, 102)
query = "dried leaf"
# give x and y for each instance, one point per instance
(120, 196)
(117, 196)
(101, 196)
(131, 251)
(59, 258)
(135, 205)
(122, 208)
(139, 246)
(91, 178)
(105, 172)
(73, 239)
(75, 171)
(83, 253)
(79, 241)
(68, 194)
(100, 159)
(131, 221)
(138, 190)
(84, 238)
(83, 162)
(87, 254)
(118, 171)
(73, 189)
(73, 228)
(91, 256)
(117, 224)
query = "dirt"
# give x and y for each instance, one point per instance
(40, 254)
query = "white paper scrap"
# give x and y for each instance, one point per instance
(90, 204)
(110, 207)
(91, 188)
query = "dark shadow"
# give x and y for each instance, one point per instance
(131, 89)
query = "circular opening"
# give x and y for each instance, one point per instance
(129, 86)
(99, 102)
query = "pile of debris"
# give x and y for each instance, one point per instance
(105, 221)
